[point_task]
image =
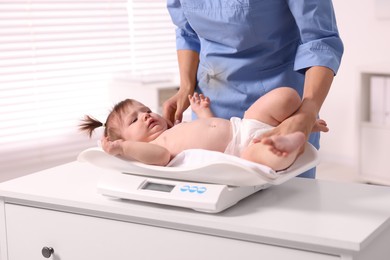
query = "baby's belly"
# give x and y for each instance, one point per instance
(211, 134)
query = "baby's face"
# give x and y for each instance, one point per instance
(141, 124)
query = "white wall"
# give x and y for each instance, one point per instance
(366, 41)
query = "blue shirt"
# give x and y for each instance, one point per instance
(249, 47)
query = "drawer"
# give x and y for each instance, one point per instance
(74, 237)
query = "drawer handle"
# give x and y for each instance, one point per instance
(47, 251)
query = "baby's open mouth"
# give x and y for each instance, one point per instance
(152, 123)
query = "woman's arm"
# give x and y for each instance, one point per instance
(188, 48)
(140, 151)
(318, 56)
(317, 84)
(320, 42)
(174, 107)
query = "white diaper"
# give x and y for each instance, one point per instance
(243, 132)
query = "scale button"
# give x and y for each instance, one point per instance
(185, 188)
(193, 189)
(201, 190)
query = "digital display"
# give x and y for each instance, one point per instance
(158, 187)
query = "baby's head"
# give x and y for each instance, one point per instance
(128, 120)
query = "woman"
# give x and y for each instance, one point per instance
(235, 51)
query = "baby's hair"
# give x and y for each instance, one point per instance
(89, 123)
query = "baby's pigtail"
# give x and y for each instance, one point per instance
(89, 124)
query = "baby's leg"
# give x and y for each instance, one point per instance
(277, 152)
(200, 105)
(275, 106)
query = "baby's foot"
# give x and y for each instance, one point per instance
(283, 145)
(200, 105)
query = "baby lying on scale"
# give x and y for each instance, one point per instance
(134, 132)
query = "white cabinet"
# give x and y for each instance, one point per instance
(303, 219)
(78, 237)
(374, 123)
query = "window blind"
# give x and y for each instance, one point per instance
(152, 33)
(58, 59)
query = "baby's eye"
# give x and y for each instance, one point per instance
(134, 120)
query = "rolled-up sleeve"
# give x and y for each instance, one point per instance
(321, 44)
(186, 38)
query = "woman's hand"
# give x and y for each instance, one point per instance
(298, 122)
(317, 84)
(175, 106)
(320, 126)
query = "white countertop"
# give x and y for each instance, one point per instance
(304, 213)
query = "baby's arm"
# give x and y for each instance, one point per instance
(200, 105)
(140, 151)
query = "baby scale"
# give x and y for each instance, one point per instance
(201, 180)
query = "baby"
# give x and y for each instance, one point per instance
(134, 132)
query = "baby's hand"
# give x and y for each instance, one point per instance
(200, 104)
(112, 147)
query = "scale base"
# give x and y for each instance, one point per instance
(202, 197)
